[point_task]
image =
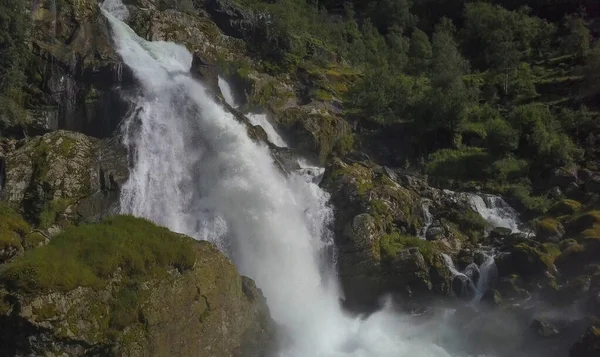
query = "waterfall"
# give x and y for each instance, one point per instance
(495, 210)
(427, 218)
(255, 119)
(486, 273)
(227, 92)
(197, 172)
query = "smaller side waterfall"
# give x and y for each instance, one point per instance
(227, 92)
(495, 210)
(263, 121)
(254, 118)
(476, 280)
(427, 218)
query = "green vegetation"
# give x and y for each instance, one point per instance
(14, 27)
(52, 210)
(391, 244)
(89, 255)
(12, 227)
(479, 93)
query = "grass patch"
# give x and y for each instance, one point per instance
(52, 210)
(392, 244)
(12, 227)
(89, 255)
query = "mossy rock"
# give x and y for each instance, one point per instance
(564, 208)
(103, 287)
(34, 239)
(314, 131)
(548, 229)
(530, 260)
(45, 174)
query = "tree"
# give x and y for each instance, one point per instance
(577, 39)
(14, 25)
(501, 138)
(590, 86)
(499, 39)
(449, 95)
(386, 14)
(419, 52)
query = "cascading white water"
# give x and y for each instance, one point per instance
(495, 210)
(255, 119)
(197, 172)
(427, 218)
(227, 92)
(486, 273)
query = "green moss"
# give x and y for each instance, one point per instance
(586, 225)
(33, 240)
(592, 233)
(546, 254)
(11, 220)
(89, 255)
(12, 228)
(565, 207)
(392, 244)
(66, 147)
(469, 223)
(344, 144)
(52, 210)
(547, 226)
(125, 308)
(45, 312)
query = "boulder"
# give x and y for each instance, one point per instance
(492, 298)
(592, 185)
(564, 208)
(562, 177)
(190, 301)
(46, 175)
(435, 232)
(500, 233)
(549, 229)
(589, 345)
(544, 328)
(463, 287)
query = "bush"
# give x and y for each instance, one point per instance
(89, 255)
(508, 169)
(501, 138)
(465, 164)
(535, 205)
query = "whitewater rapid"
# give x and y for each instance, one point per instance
(196, 171)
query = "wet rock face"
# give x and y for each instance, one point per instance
(77, 77)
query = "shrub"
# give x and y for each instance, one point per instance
(465, 164)
(508, 169)
(89, 255)
(501, 138)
